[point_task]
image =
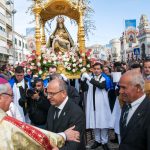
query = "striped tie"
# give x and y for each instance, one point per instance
(125, 115)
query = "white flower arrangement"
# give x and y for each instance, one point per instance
(74, 65)
(31, 67)
(38, 64)
(32, 64)
(80, 60)
(73, 70)
(83, 70)
(88, 65)
(19, 85)
(39, 57)
(44, 62)
(72, 61)
(40, 72)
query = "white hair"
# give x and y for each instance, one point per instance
(136, 78)
(4, 87)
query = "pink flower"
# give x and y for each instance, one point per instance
(34, 52)
(39, 69)
(88, 53)
(33, 57)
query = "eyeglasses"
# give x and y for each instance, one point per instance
(51, 94)
(10, 95)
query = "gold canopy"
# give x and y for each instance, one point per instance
(59, 7)
(47, 10)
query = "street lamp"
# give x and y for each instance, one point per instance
(13, 11)
(23, 46)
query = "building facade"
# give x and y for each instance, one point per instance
(142, 42)
(5, 33)
(13, 46)
(21, 48)
(99, 52)
(144, 36)
(115, 49)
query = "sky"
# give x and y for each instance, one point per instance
(109, 17)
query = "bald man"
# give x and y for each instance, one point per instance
(135, 117)
(64, 113)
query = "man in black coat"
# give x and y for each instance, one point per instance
(135, 117)
(64, 113)
(38, 104)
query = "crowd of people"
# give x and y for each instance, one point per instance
(54, 113)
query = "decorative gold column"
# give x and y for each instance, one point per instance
(37, 9)
(43, 39)
(81, 34)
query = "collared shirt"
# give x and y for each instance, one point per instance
(97, 77)
(134, 106)
(61, 106)
(146, 77)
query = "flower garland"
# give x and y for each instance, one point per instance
(72, 61)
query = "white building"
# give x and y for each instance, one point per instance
(10, 52)
(99, 52)
(21, 48)
(5, 32)
(115, 45)
(127, 48)
(142, 42)
(144, 36)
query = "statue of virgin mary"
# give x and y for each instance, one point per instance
(60, 39)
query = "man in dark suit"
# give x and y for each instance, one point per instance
(64, 113)
(135, 117)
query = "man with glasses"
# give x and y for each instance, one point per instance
(15, 134)
(64, 113)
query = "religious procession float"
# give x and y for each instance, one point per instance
(60, 50)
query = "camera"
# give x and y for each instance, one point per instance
(31, 92)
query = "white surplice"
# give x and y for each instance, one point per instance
(17, 96)
(116, 116)
(101, 117)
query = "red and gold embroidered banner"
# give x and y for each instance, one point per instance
(34, 133)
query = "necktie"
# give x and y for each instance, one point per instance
(125, 115)
(56, 114)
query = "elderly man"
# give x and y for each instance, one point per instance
(64, 113)
(15, 134)
(135, 117)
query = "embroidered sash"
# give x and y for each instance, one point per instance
(34, 133)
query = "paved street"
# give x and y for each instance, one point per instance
(111, 145)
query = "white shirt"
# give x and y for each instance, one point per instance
(61, 106)
(134, 106)
(17, 96)
(14, 112)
